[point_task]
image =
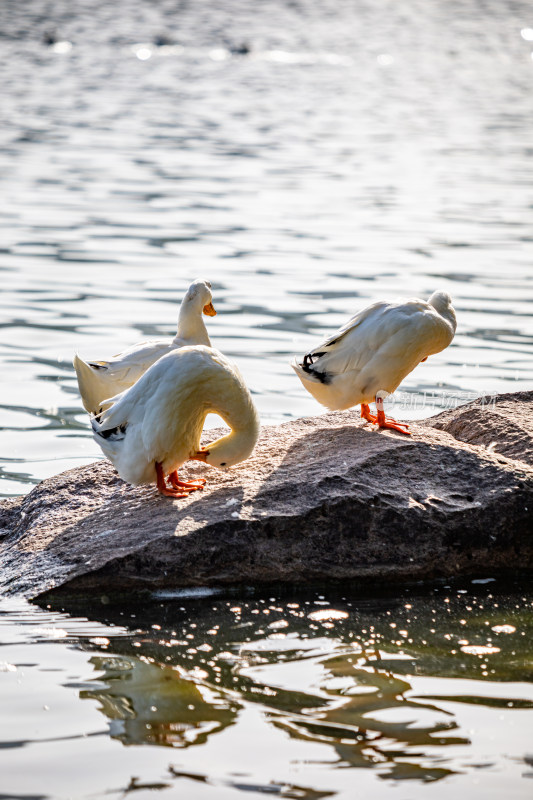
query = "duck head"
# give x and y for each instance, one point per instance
(199, 296)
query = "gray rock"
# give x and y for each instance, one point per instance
(321, 498)
(503, 423)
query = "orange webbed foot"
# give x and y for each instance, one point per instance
(187, 486)
(388, 422)
(176, 489)
(172, 493)
(392, 424)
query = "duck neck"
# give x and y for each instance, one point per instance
(191, 326)
(239, 443)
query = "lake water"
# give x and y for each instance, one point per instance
(308, 158)
(305, 695)
(358, 151)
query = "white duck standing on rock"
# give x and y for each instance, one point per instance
(99, 380)
(153, 427)
(374, 352)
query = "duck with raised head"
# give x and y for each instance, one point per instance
(99, 380)
(374, 351)
(153, 427)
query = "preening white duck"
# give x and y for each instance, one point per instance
(99, 380)
(153, 427)
(374, 352)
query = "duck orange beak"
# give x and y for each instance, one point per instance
(209, 310)
(200, 455)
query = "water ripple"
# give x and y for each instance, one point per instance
(292, 155)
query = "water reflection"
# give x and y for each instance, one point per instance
(387, 685)
(155, 704)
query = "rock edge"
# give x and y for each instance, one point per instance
(321, 498)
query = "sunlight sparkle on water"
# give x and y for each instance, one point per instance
(62, 47)
(327, 614)
(219, 54)
(142, 51)
(479, 649)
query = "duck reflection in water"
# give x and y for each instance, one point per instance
(363, 680)
(150, 703)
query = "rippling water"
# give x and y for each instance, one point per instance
(311, 696)
(307, 158)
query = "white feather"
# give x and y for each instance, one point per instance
(160, 418)
(99, 380)
(376, 349)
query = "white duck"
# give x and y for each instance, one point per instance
(374, 352)
(99, 380)
(156, 424)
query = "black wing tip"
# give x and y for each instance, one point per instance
(310, 360)
(113, 433)
(118, 432)
(308, 366)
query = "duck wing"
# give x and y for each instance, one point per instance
(149, 406)
(348, 345)
(128, 366)
(98, 380)
(401, 331)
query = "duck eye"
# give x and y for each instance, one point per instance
(223, 464)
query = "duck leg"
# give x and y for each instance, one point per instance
(388, 422)
(190, 486)
(381, 419)
(162, 484)
(366, 413)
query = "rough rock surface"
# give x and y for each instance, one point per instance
(503, 423)
(321, 498)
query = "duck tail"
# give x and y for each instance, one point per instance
(304, 371)
(92, 388)
(318, 384)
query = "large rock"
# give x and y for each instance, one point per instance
(322, 498)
